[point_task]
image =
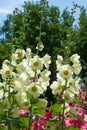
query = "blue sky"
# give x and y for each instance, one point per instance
(7, 6)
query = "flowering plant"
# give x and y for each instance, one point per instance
(24, 80)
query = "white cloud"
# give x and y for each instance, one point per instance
(11, 5)
(4, 11)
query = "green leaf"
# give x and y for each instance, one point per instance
(37, 108)
(77, 101)
(56, 108)
(24, 121)
(72, 128)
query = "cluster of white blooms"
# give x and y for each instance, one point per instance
(67, 82)
(25, 75)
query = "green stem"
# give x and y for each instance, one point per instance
(63, 116)
(30, 117)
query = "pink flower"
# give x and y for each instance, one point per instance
(85, 118)
(77, 123)
(48, 115)
(35, 126)
(80, 112)
(38, 125)
(23, 112)
(83, 126)
(85, 98)
(41, 123)
(68, 122)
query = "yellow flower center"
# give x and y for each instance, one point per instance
(36, 63)
(26, 103)
(59, 87)
(66, 72)
(7, 72)
(67, 97)
(34, 88)
(19, 54)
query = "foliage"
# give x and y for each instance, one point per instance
(5, 52)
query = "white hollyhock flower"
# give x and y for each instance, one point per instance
(45, 73)
(59, 62)
(31, 72)
(47, 60)
(35, 90)
(56, 87)
(59, 58)
(18, 97)
(6, 104)
(17, 55)
(15, 112)
(61, 79)
(68, 96)
(73, 82)
(77, 68)
(1, 85)
(44, 82)
(20, 53)
(17, 85)
(44, 79)
(65, 71)
(28, 54)
(14, 57)
(40, 46)
(6, 71)
(21, 67)
(25, 103)
(36, 63)
(6, 63)
(21, 95)
(74, 85)
(24, 78)
(43, 102)
(77, 80)
(74, 90)
(75, 58)
(25, 67)
(1, 94)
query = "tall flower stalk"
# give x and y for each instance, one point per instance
(30, 117)
(63, 116)
(67, 82)
(25, 79)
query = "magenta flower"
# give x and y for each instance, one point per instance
(77, 123)
(85, 118)
(83, 126)
(23, 112)
(68, 122)
(41, 123)
(80, 112)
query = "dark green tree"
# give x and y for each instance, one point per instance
(38, 22)
(82, 40)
